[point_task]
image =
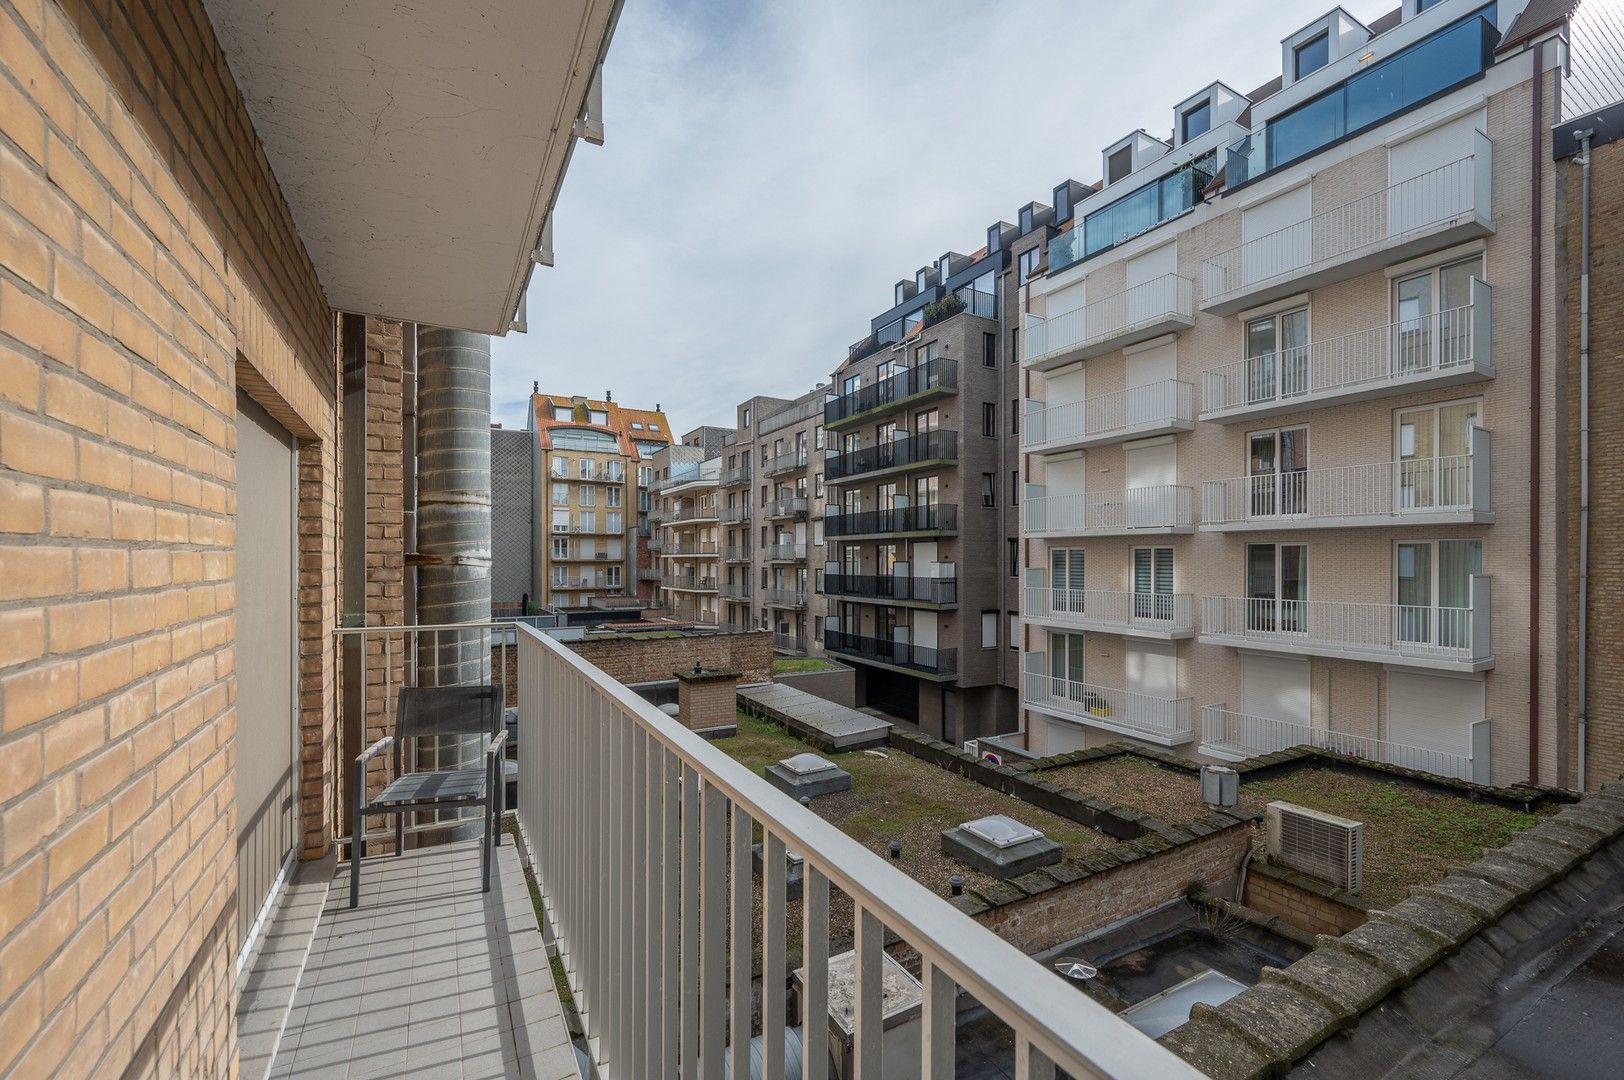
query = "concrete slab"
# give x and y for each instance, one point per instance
(822, 723)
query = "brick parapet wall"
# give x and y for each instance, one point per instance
(640, 660)
(1301, 901)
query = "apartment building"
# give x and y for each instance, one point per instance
(686, 479)
(591, 496)
(1290, 374)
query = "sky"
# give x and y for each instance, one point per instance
(772, 167)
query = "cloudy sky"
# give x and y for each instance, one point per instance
(772, 168)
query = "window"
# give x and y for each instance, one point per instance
(613, 522)
(1432, 313)
(637, 425)
(1277, 357)
(561, 521)
(1066, 579)
(654, 427)
(587, 496)
(613, 497)
(1311, 55)
(1065, 659)
(561, 494)
(1197, 120)
(1015, 488)
(1153, 583)
(1029, 263)
(1433, 585)
(645, 476)
(1015, 416)
(817, 485)
(927, 421)
(989, 419)
(989, 350)
(989, 495)
(926, 491)
(1014, 622)
(589, 521)
(925, 353)
(989, 629)
(817, 628)
(563, 412)
(611, 576)
(598, 416)
(1434, 447)
(817, 437)
(1014, 345)
(1119, 164)
(586, 469)
(1014, 547)
(1277, 587)
(1277, 472)
(561, 547)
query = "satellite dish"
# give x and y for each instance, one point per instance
(1075, 969)
(991, 758)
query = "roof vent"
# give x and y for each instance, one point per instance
(1001, 831)
(1323, 845)
(806, 764)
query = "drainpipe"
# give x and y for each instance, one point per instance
(1584, 445)
(1535, 404)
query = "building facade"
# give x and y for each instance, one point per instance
(687, 526)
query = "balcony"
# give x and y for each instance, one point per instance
(1440, 638)
(795, 414)
(1165, 721)
(1161, 616)
(735, 590)
(784, 463)
(1155, 510)
(1435, 210)
(927, 450)
(1159, 306)
(934, 519)
(789, 644)
(936, 664)
(648, 573)
(736, 553)
(687, 549)
(908, 591)
(790, 506)
(912, 386)
(1418, 491)
(1448, 348)
(784, 598)
(734, 515)
(692, 515)
(1235, 736)
(1160, 408)
(739, 477)
(785, 552)
(690, 582)
(593, 528)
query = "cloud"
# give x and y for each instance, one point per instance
(771, 169)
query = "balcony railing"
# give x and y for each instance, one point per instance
(784, 598)
(1416, 491)
(735, 477)
(901, 654)
(596, 528)
(1441, 207)
(735, 590)
(783, 418)
(789, 643)
(734, 515)
(689, 582)
(1236, 736)
(1443, 349)
(932, 379)
(1136, 614)
(689, 548)
(681, 478)
(890, 587)
(1164, 720)
(786, 552)
(895, 455)
(736, 553)
(934, 518)
(648, 573)
(784, 463)
(1163, 508)
(1152, 308)
(1158, 408)
(1448, 638)
(692, 513)
(640, 833)
(787, 507)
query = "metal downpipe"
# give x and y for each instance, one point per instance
(1584, 451)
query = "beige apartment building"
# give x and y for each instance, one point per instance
(687, 521)
(1290, 377)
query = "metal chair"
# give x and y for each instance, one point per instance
(426, 712)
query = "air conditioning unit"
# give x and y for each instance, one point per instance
(1322, 845)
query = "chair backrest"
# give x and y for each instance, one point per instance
(449, 710)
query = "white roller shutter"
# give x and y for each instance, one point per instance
(1275, 687)
(1063, 736)
(1153, 264)
(1287, 250)
(1433, 712)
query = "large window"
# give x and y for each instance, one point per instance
(1066, 579)
(1153, 583)
(1277, 587)
(1277, 356)
(1277, 472)
(1432, 317)
(1029, 263)
(1311, 55)
(1196, 121)
(1433, 587)
(1434, 448)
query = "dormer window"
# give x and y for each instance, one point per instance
(1196, 121)
(919, 280)
(1119, 164)
(1026, 219)
(1311, 55)
(902, 291)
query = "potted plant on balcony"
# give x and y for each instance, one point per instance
(945, 308)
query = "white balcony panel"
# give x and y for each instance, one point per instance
(1420, 491)
(1158, 408)
(1159, 306)
(1445, 206)
(1161, 720)
(1448, 348)
(1159, 509)
(1162, 616)
(1441, 638)
(1236, 736)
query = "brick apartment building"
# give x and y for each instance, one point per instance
(201, 459)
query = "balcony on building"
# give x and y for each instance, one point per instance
(784, 464)
(1153, 510)
(692, 515)
(786, 552)
(1235, 736)
(789, 644)
(926, 662)
(784, 598)
(935, 585)
(1162, 305)
(1452, 490)
(648, 573)
(1135, 213)
(934, 519)
(1153, 718)
(794, 414)
(1139, 412)
(1401, 635)
(734, 515)
(1448, 348)
(1154, 615)
(906, 453)
(917, 385)
(705, 583)
(787, 507)
(735, 590)
(737, 477)
(690, 549)
(736, 553)
(596, 527)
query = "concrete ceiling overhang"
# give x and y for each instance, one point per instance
(419, 143)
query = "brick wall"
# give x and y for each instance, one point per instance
(148, 269)
(1276, 892)
(707, 701)
(653, 660)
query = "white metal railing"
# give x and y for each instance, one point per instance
(1396, 354)
(785, 551)
(692, 513)
(1226, 732)
(1393, 631)
(1105, 322)
(1145, 714)
(640, 833)
(1122, 414)
(1385, 491)
(1158, 508)
(1167, 613)
(1424, 203)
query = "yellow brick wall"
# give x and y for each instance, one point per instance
(148, 268)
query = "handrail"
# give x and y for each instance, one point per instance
(1242, 733)
(1379, 489)
(1100, 322)
(1122, 413)
(1157, 507)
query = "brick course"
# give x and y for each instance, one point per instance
(632, 660)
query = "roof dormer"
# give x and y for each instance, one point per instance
(905, 290)
(950, 263)
(1201, 112)
(999, 236)
(1324, 41)
(1132, 152)
(1035, 215)
(1066, 197)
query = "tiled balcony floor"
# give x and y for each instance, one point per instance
(428, 977)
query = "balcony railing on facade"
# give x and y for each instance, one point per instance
(1417, 491)
(791, 506)
(640, 834)
(656, 544)
(792, 461)
(937, 590)
(1164, 616)
(679, 549)
(1161, 508)
(1235, 736)
(1447, 348)
(909, 387)
(784, 598)
(694, 514)
(689, 582)
(658, 515)
(1166, 721)
(575, 582)
(735, 590)
(929, 518)
(792, 644)
(1436, 209)
(594, 528)
(736, 553)
(922, 450)
(1410, 635)
(648, 573)
(1139, 412)
(681, 478)
(784, 418)
(738, 477)
(785, 552)
(1138, 313)
(734, 515)
(596, 473)
(919, 659)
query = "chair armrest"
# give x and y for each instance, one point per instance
(375, 749)
(498, 744)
